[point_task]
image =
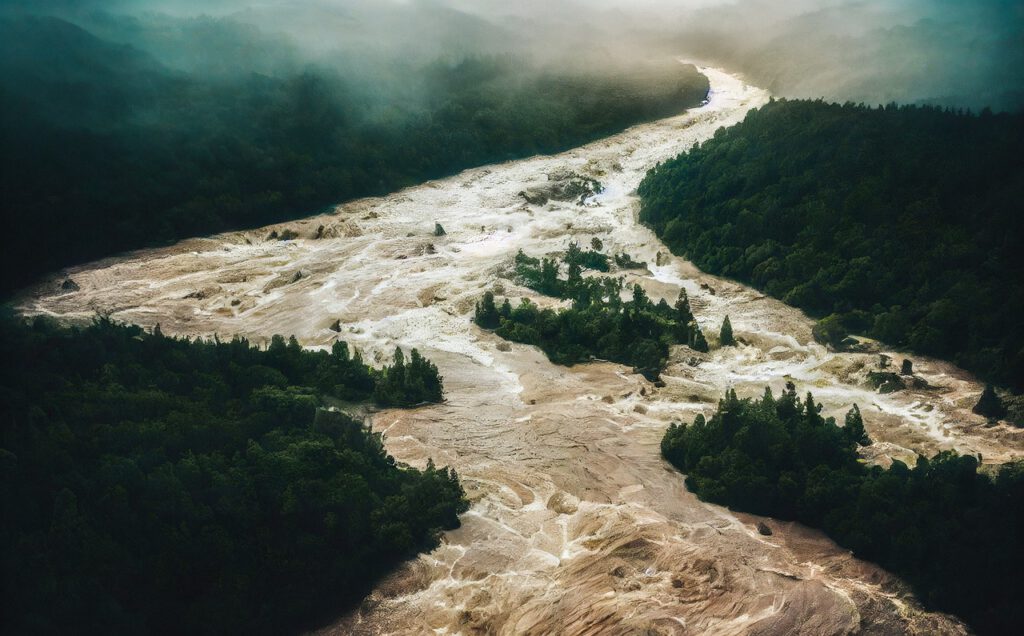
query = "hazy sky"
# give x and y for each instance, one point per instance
(958, 52)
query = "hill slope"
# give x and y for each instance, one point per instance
(106, 149)
(902, 221)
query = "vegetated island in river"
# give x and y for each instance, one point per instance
(156, 485)
(150, 154)
(900, 222)
(598, 324)
(952, 532)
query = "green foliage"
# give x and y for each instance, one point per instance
(697, 340)
(949, 530)
(439, 230)
(853, 427)
(597, 325)
(159, 154)
(542, 274)
(902, 223)
(590, 259)
(408, 384)
(625, 261)
(150, 484)
(725, 337)
(830, 331)
(486, 314)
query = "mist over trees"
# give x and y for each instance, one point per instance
(942, 52)
(137, 123)
(152, 484)
(120, 131)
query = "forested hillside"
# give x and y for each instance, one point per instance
(947, 528)
(105, 148)
(156, 485)
(904, 222)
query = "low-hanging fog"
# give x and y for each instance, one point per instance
(136, 123)
(949, 52)
(367, 173)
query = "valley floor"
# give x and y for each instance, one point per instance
(577, 524)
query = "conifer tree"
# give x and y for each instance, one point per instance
(486, 312)
(549, 283)
(853, 427)
(683, 318)
(697, 340)
(725, 337)
(640, 300)
(575, 277)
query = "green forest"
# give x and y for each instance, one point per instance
(899, 223)
(599, 323)
(949, 529)
(158, 485)
(150, 154)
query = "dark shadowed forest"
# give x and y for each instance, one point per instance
(900, 223)
(106, 148)
(158, 485)
(946, 527)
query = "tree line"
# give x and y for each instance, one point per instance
(949, 529)
(898, 222)
(599, 323)
(158, 485)
(105, 149)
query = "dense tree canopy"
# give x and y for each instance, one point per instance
(105, 149)
(599, 324)
(902, 222)
(157, 485)
(950, 531)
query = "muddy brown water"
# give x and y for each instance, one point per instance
(577, 525)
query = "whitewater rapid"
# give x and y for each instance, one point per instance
(577, 525)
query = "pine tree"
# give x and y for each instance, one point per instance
(573, 254)
(486, 313)
(697, 340)
(853, 427)
(725, 337)
(683, 318)
(549, 283)
(423, 384)
(339, 350)
(575, 277)
(684, 315)
(640, 300)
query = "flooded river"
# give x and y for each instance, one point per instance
(577, 525)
